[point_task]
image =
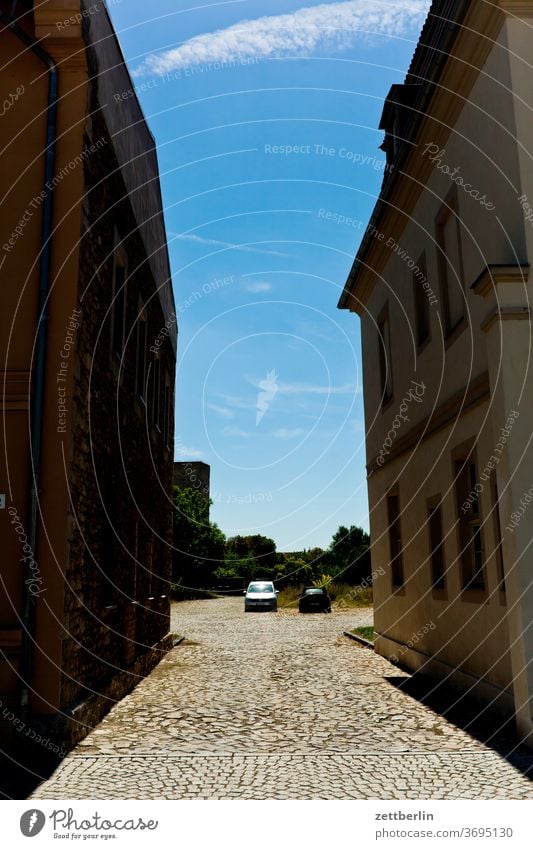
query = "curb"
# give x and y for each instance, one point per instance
(367, 644)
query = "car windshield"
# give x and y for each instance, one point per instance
(314, 591)
(261, 588)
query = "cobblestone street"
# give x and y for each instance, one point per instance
(282, 706)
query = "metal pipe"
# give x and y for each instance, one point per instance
(36, 403)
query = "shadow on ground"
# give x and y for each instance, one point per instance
(21, 773)
(464, 712)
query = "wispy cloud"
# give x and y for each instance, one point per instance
(236, 431)
(288, 432)
(221, 411)
(313, 389)
(239, 402)
(328, 26)
(258, 288)
(249, 249)
(185, 451)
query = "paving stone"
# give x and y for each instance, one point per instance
(280, 706)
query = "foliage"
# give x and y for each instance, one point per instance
(249, 557)
(294, 570)
(366, 631)
(346, 595)
(198, 543)
(349, 555)
(263, 549)
(323, 581)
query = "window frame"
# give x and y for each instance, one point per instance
(120, 260)
(141, 388)
(464, 457)
(439, 584)
(167, 399)
(156, 393)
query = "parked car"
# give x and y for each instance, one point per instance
(260, 595)
(314, 600)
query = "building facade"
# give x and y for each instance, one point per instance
(442, 285)
(88, 339)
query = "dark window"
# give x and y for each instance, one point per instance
(156, 392)
(450, 263)
(421, 302)
(149, 563)
(385, 361)
(395, 540)
(110, 546)
(497, 532)
(141, 356)
(436, 544)
(469, 524)
(166, 412)
(118, 308)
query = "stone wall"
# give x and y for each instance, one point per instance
(120, 528)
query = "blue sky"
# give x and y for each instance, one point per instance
(266, 115)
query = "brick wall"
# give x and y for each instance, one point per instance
(121, 471)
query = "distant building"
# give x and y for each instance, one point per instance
(193, 474)
(443, 286)
(88, 347)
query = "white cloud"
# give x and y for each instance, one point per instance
(331, 26)
(258, 288)
(191, 237)
(288, 433)
(182, 451)
(312, 389)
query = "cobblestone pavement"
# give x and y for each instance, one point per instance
(280, 706)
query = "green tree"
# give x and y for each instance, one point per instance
(348, 556)
(198, 543)
(256, 554)
(294, 569)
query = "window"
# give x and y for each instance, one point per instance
(385, 361)
(436, 543)
(422, 318)
(497, 532)
(395, 539)
(140, 380)
(118, 306)
(156, 393)
(451, 264)
(469, 523)
(166, 412)
(150, 565)
(110, 559)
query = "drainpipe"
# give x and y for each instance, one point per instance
(28, 612)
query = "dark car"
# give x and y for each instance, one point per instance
(314, 600)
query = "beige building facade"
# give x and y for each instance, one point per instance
(442, 284)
